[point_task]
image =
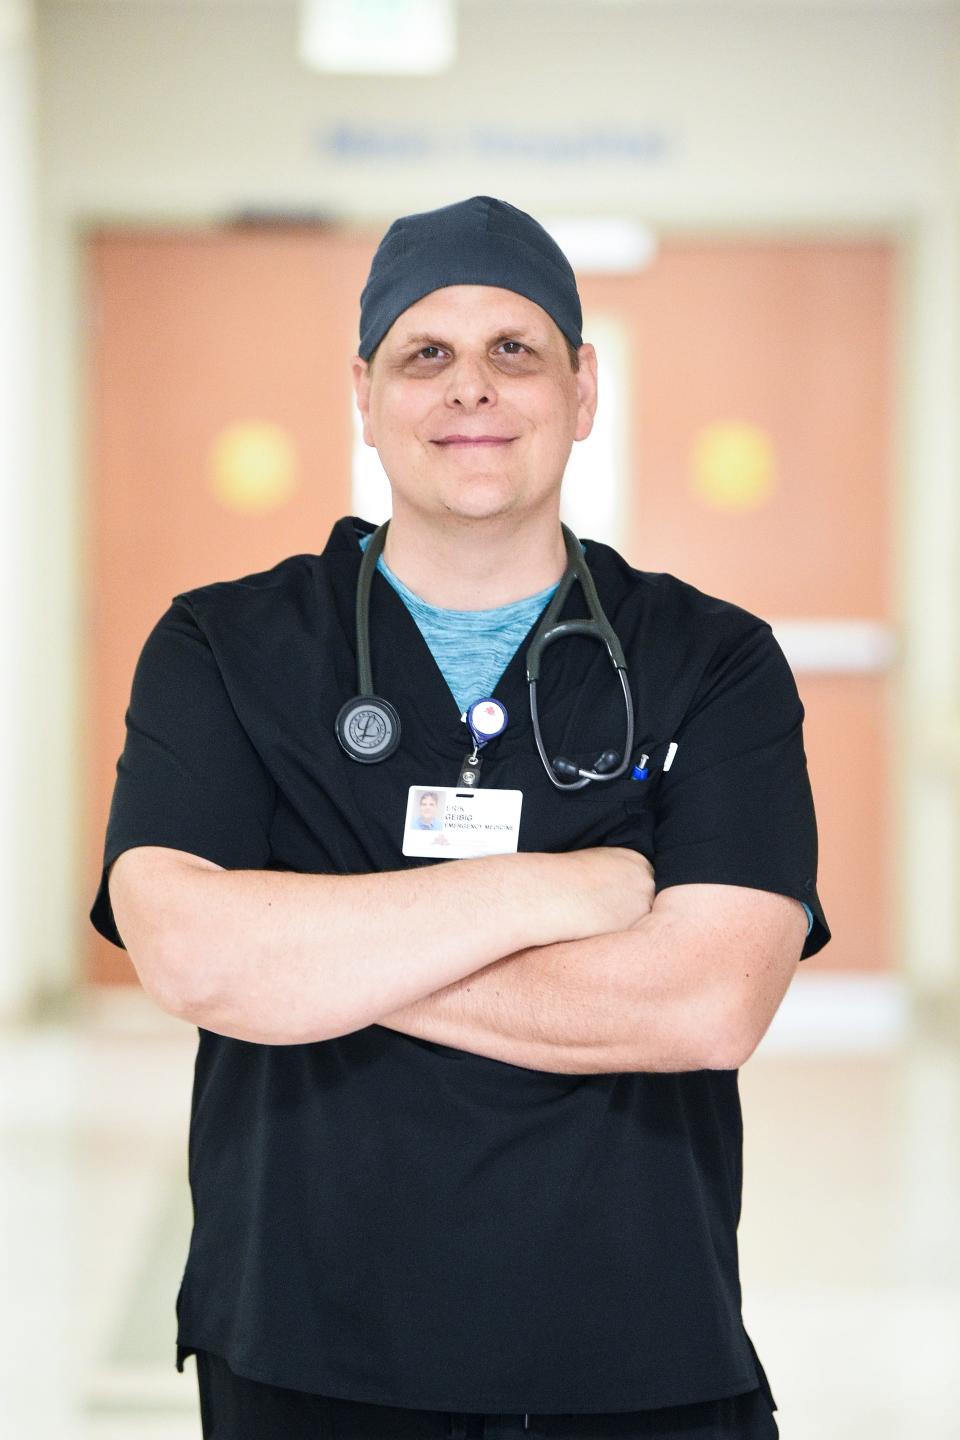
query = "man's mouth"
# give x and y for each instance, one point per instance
(475, 440)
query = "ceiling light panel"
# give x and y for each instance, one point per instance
(377, 37)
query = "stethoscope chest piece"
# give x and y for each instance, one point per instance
(368, 728)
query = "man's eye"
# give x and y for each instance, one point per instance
(519, 347)
(422, 353)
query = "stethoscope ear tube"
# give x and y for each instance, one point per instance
(552, 628)
(585, 775)
(368, 565)
(593, 600)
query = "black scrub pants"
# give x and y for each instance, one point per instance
(233, 1408)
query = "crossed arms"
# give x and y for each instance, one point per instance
(563, 963)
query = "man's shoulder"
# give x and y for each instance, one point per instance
(290, 587)
(252, 619)
(285, 578)
(677, 604)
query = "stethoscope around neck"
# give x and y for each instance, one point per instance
(368, 727)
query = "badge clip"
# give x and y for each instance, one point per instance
(470, 770)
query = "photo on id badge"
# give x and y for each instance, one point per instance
(444, 822)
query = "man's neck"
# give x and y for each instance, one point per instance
(475, 564)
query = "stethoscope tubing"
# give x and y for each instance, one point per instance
(585, 775)
(368, 565)
(550, 629)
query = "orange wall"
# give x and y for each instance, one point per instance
(196, 331)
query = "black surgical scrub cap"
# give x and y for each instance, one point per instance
(480, 241)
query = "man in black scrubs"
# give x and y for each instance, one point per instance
(465, 1142)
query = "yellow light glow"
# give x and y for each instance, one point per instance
(733, 466)
(254, 466)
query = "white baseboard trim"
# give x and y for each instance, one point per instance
(129, 1010)
(841, 1014)
(820, 1014)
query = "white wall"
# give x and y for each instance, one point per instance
(17, 470)
(767, 111)
(805, 117)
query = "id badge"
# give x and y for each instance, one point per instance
(446, 822)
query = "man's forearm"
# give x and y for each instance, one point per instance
(277, 957)
(293, 958)
(612, 1003)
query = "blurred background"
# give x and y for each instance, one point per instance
(762, 203)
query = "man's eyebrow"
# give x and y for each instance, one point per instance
(519, 333)
(419, 340)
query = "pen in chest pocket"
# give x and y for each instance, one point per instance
(641, 771)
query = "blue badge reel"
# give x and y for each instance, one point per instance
(486, 719)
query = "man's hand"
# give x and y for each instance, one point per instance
(649, 889)
(612, 887)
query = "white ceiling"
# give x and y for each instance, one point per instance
(715, 5)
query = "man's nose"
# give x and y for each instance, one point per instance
(470, 383)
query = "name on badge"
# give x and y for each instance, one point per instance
(446, 823)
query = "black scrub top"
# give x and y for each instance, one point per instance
(383, 1219)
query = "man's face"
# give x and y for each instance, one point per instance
(473, 406)
(428, 808)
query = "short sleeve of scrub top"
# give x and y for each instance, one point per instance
(736, 806)
(188, 777)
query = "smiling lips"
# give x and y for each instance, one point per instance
(475, 440)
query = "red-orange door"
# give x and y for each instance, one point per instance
(220, 439)
(761, 391)
(221, 432)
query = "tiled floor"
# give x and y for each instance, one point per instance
(850, 1234)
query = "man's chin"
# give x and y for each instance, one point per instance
(480, 509)
(480, 501)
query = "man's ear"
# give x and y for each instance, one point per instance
(361, 388)
(586, 378)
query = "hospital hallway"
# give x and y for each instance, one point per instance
(849, 1242)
